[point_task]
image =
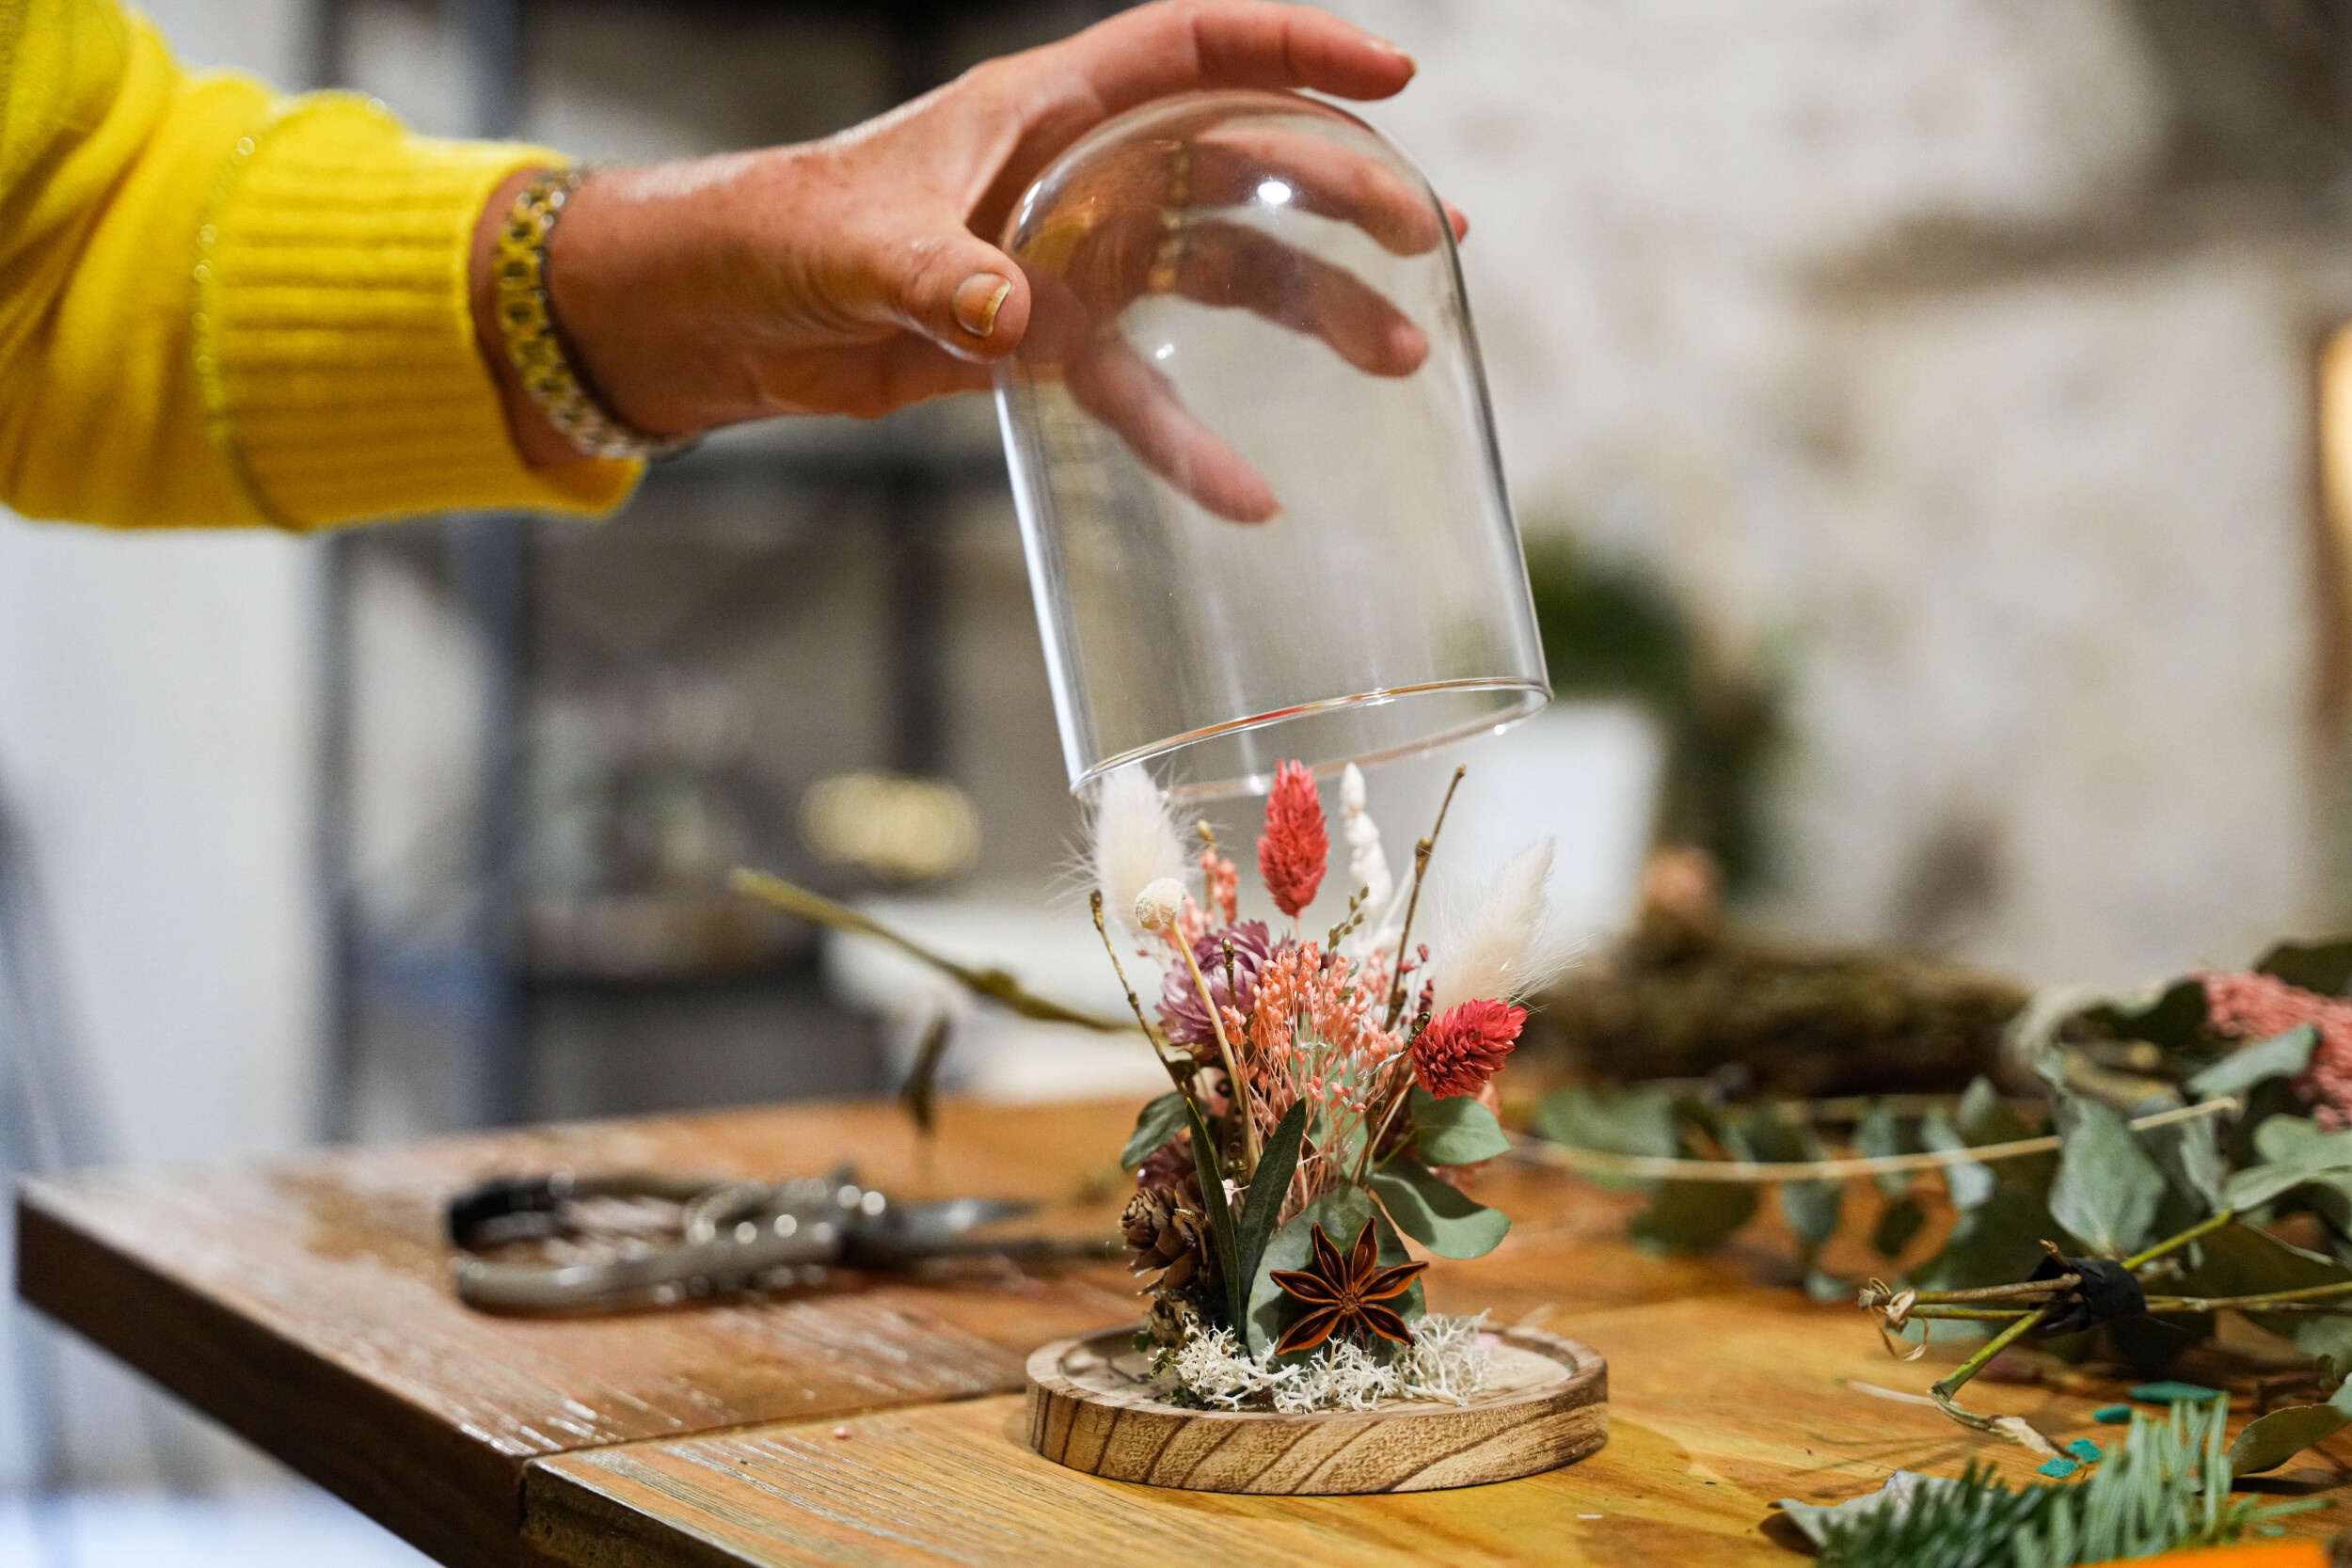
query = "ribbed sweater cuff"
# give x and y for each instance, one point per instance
(335, 337)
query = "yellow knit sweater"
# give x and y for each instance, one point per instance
(220, 307)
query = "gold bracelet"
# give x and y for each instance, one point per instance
(536, 349)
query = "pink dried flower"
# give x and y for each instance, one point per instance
(1170, 1165)
(1181, 1012)
(2256, 1007)
(1295, 847)
(1464, 1047)
(1221, 884)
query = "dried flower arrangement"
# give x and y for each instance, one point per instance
(1324, 1095)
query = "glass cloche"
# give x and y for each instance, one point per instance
(1251, 447)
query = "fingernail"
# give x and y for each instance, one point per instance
(977, 299)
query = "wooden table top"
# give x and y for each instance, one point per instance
(307, 1305)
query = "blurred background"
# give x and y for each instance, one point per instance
(1931, 432)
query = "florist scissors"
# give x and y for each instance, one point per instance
(614, 1242)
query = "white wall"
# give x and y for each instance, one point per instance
(2034, 545)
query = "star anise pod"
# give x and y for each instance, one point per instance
(1349, 1293)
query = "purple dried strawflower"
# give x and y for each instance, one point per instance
(1180, 1012)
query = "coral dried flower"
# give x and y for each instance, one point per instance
(1295, 848)
(1463, 1046)
(1342, 1293)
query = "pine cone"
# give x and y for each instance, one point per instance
(1163, 1234)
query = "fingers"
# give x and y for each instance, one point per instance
(1179, 45)
(1111, 382)
(1055, 94)
(957, 290)
(1233, 166)
(1229, 265)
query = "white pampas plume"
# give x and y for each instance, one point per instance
(1494, 943)
(1134, 842)
(1367, 866)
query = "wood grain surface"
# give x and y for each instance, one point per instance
(1719, 1406)
(1545, 1405)
(306, 1304)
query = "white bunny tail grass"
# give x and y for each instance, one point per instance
(1132, 842)
(1367, 864)
(1495, 943)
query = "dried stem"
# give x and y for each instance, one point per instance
(1421, 852)
(1235, 1084)
(2204, 1226)
(1875, 1294)
(1159, 1047)
(993, 984)
(1952, 1382)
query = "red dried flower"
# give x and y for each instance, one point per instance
(1295, 847)
(1463, 1046)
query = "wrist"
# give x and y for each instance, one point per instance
(540, 442)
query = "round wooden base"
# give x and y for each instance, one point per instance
(1546, 1405)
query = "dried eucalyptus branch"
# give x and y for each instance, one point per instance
(1602, 1162)
(994, 984)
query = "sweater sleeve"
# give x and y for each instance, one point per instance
(219, 306)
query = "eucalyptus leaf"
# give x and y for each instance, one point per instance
(2329, 1194)
(2294, 1150)
(1268, 1184)
(2171, 1018)
(1811, 1207)
(1686, 1216)
(2237, 1260)
(2285, 1056)
(2149, 1346)
(1455, 1132)
(1969, 1182)
(2324, 966)
(1880, 1134)
(1982, 1118)
(1997, 1243)
(2265, 1102)
(2107, 1188)
(1341, 1213)
(1898, 1222)
(2189, 1154)
(1158, 1121)
(1439, 1216)
(1620, 1121)
(2271, 1440)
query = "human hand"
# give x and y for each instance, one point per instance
(849, 276)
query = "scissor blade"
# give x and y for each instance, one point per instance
(956, 1215)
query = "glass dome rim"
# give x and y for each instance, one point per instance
(1047, 179)
(1225, 790)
